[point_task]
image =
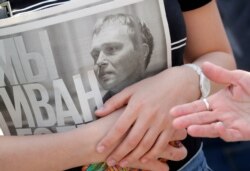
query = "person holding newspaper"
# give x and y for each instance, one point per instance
(139, 134)
(226, 114)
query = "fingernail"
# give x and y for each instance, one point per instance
(144, 160)
(100, 149)
(123, 163)
(111, 162)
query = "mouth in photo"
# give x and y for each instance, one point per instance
(105, 75)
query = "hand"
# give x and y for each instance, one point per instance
(172, 152)
(148, 103)
(229, 118)
(175, 151)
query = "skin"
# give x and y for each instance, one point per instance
(148, 102)
(230, 115)
(117, 62)
(62, 151)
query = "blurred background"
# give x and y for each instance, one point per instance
(223, 156)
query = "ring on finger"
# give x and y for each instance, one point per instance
(207, 104)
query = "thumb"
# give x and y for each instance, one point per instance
(218, 74)
(116, 102)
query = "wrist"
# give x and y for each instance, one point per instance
(89, 136)
(204, 83)
(186, 81)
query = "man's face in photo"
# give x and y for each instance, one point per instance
(117, 60)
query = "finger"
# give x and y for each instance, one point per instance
(144, 146)
(218, 74)
(115, 102)
(180, 134)
(208, 131)
(174, 153)
(159, 146)
(194, 107)
(194, 119)
(132, 140)
(121, 126)
(154, 165)
(227, 134)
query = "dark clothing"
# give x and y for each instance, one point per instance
(192, 4)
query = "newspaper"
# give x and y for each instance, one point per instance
(58, 65)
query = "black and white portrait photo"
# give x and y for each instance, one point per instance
(57, 68)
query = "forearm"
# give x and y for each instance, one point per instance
(55, 151)
(206, 41)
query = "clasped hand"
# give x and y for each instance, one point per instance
(145, 123)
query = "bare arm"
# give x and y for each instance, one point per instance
(207, 40)
(55, 151)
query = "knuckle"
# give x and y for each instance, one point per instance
(134, 105)
(107, 142)
(138, 105)
(135, 108)
(119, 129)
(131, 143)
(195, 106)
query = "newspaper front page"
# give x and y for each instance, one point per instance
(58, 65)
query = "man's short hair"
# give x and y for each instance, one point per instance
(135, 26)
